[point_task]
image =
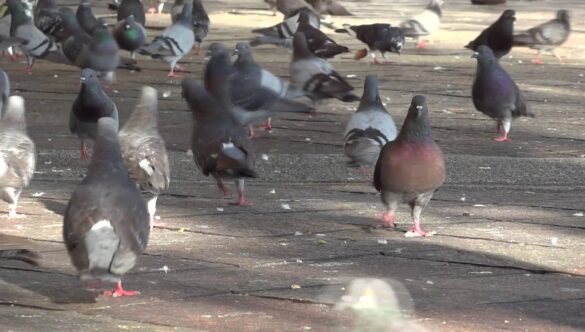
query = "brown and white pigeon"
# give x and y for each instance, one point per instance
(411, 168)
(106, 224)
(424, 23)
(17, 154)
(499, 36)
(144, 151)
(315, 75)
(546, 36)
(495, 93)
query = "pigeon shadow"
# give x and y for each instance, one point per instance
(57, 207)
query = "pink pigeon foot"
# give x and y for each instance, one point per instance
(421, 44)
(28, 70)
(417, 231)
(502, 138)
(119, 291)
(388, 220)
(241, 200)
(537, 61)
(84, 152)
(267, 125)
(221, 187)
(172, 74)
(157, 224)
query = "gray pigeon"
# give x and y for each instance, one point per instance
(495, 94)
(411, 168)
(91, 104)
(546, 36)
(130, 35)
(369, 128)
(18, 248)
(424, 23)
(36, 44)
(106, 227)
(175, 41)
(85, 16)
(316, 76)
(219, 142)
(144, 152)
(4, 90)
(253, 88)
(17, 154)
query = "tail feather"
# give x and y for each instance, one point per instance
(523, 39)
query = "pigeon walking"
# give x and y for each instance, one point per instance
(424, 23)
(253, 87)
(85, 16)
(36, 45)
(131, 7)
(495, 93)
(411, 168)
(17, 154)
(499, 36)
(18, 248)
(379, 37)
(175, 41)
(546, 36)
(369, 128)
(220, 145)
(316, 76)
(4, 91)
(144, 152)
(91, 104)
(106, 224)
(200, 23)
(130, 35)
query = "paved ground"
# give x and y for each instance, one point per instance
(509, 248)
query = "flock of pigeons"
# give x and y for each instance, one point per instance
(107, 222)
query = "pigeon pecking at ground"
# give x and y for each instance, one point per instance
(411, 168)
(144, 152)
(546, 36)
(316, 76)
(379, 37)
(17, 154)
(91, 104)
(174, 42)
(495, 93)
(499, 36)
(106, 223)
(369, 128)
(130, 35)
(424, 23)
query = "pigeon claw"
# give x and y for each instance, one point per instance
(503, 138)
(156, 224)
(421, 45)
(84, 152)
(119, 291)
(360, 54)
(537, 61)
(416, 231)
(388, 220)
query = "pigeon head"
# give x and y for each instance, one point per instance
(88, 77)
(485, 56)
(300, 47)
(244, 53)
(436, 6)
(196, 96)
(14, 116)
(85, 3)
(417, 126)
(371, 96)
(213, 49)
(563, 15)
(508, 14)
(130, 21)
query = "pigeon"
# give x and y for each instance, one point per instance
(495, 93)
(424, 23)
(329, 7)
(4, 90)
(85, 16)
(546, 36)
(219, 142)
(369, 128)
(499, 36)
(253, 88)
(91, 104)
(17, 154)
(106, 224)
(379, 37)
(18, 248)
(200, 23)
(282, 33)
(316, 76)
(144, 152)
(175, 41)
(410, 168)
(134, 8)
(130, 35)
(36, 44)
(318, 42)
(48, 19)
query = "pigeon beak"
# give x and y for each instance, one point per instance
(475, 55)
(235, 52)
(419, 111)
(82, 79)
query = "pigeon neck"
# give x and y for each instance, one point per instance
(416, 130)
(244, 58)
(370, 99)
(106, 153)
(301, 49)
